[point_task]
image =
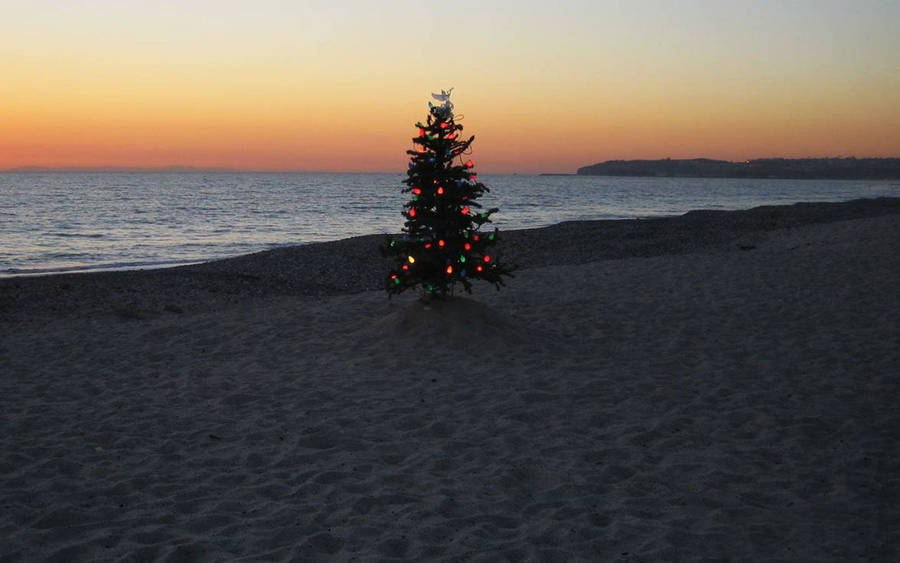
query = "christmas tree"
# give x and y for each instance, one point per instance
(442, 242)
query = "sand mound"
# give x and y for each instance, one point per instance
(457, 322)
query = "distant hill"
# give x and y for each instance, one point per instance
(798, 168)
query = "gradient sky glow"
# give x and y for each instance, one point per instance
(544, 87)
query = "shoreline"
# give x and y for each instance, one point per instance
(100, 269)
(355, 265)
(167, 265)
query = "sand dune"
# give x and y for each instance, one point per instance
(708, 403)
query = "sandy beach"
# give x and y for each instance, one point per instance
(719, 386)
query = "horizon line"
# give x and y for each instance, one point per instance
(188, 168)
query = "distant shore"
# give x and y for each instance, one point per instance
(761, 168)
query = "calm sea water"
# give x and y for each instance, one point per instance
(75, 221)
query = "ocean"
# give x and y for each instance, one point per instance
(81, 221)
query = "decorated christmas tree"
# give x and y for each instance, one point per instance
(443, 242)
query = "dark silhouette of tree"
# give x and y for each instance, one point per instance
(443, 242)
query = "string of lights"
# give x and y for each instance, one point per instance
(442, 242)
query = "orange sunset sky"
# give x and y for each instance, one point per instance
(544, 87)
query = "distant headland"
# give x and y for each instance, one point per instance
(788, 168)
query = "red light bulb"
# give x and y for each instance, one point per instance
(440, 190)
(479, 268)
(475, 238)
(467, 246)
(465, 210)
(449, 269)
(445, 125)
(427, 245)
(404, 267)
(417, 191)
(421, 132)
(441, 243)
(470, 164)
(487, 258)
(412, 212)
(451, 136)
(473, 177)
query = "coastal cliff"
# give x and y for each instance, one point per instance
(796, 168)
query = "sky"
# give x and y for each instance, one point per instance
(543, 86)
